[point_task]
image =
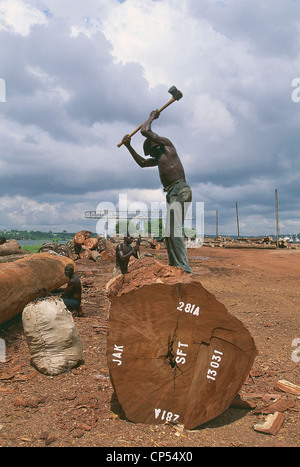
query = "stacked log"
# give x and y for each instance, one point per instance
(174, 352)
(91, 243)
(95, 248)
(55, 249)
(28, 278)
(83, 246)
(245, 242)
(10, 247)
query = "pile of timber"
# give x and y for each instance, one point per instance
(95, 248)
(245, 242)
(145, 241)
(83, 246)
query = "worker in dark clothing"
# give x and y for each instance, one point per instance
(72, 293)
(123, 253)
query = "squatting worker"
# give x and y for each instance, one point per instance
(72, 293)
(123, 253)
(179, 194)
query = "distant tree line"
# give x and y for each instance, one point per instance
(35, 235)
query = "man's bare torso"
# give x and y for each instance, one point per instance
(170, 167)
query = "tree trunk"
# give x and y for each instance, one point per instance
(26, 279)
(174, 352)
(10, 247)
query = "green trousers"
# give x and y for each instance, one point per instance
(179, 197)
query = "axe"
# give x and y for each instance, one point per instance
(176, 95)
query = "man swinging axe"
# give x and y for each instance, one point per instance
(178, 193)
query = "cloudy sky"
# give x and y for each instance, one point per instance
(77, 76)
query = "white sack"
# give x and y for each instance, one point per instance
(52, 338)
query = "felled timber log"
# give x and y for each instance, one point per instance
(96, 256)
(91, 243)
(79, 238)
(85, 253)
(262, 246)
(101, 244)
(174, 352)
(10, 247)
(107, 255)
(27, 279)
(48, 246)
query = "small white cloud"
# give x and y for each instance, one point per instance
(17, 16)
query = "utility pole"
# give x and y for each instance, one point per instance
(237, 219)
(277, 228)
(217, 223)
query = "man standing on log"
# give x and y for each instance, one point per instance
(179, 194)
(72, 293)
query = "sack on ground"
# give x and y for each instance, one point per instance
(52, 338)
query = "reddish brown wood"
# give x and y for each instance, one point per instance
(91, 243)
(107, 255)
(168, 359)
(85, 253)
(10, 247)
(79, 238)
(26, 279)
(271, 425)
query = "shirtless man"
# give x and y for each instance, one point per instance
(123, 253)
(72, 293)
(164, 155)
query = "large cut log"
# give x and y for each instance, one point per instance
(174, 352)
(10, 247)
(26, 279)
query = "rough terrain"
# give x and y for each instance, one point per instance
(79, 408)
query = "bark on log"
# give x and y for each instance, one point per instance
(10, 247)
(101, 244)
(95, 256)
(174, 352)
(85, 253)
(107, 255)
(26, 279)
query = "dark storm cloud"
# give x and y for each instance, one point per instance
(49, 59)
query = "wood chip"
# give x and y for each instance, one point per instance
(271, 425)
(278, 406)
(286, 386)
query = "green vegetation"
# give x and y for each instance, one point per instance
(32, 248)
(36, 235)
(154, 228)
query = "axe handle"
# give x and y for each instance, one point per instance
(139, 127)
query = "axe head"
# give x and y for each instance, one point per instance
(175, 93)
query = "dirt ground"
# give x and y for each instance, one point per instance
(80, 409)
